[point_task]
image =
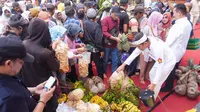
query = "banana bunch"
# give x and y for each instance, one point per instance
(115, 107)
(98, 100)
(127, 107)
(62, 98)
(135, 90)
(79, 84)
(87, 96)
(112, 96)
(132, 98)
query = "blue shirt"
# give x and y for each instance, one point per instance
(14, 96)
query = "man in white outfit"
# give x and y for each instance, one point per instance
(158, 51)
(177, 40)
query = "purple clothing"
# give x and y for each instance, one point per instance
(71, 44)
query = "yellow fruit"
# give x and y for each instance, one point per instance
(192, 110)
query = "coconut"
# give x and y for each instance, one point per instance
(181, 89)
(192, 93)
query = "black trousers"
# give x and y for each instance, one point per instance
(169, 83)
(98, 62)
(72, 76)
(132, 68)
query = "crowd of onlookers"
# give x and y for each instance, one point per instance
(91, 26)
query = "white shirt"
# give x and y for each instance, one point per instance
(178, 37)
(158, 51)
(195, 7)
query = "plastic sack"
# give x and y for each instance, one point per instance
(116, 79)
(83, 67)
(127, 82)
(61, 50)
(88, 107)
(65, 108)
(86, 56)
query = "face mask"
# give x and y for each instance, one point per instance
(81, 14)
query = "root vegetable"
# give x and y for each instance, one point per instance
(181, 89)
(179, 82)
(192, 93)
(178, 71)
(183, 69)
(198, 79)
(192, 84)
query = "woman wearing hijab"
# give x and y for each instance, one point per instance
(72, 33)
(152, 29)
(166, 24)
(38, 45)
(6, 14)
(58, 17)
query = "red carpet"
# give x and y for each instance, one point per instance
(194, 54)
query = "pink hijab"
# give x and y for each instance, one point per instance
(153, 21)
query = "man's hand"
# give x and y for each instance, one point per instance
(46, 95)
(121, 68)
(151, 87)
(38, 89)
(117, 39)
(101, 54)
(82, 45)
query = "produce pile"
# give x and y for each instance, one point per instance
(189, 78)
(91, 95)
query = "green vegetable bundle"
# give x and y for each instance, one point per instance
(124, 44)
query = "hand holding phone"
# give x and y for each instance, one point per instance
(50, 82)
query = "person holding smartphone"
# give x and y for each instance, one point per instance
(15, 96)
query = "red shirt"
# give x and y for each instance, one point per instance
(107, 25)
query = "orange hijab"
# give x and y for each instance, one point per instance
(165, 26)
(169, 23)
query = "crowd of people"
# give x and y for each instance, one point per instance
(158, 32)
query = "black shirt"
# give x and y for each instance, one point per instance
(124, 19)
(14, 96)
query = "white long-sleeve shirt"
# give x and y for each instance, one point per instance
(178, 37)
(158, 51)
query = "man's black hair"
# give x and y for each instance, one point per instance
(15, 4)
(29, 6)
(138, 36)
(17, 20)
(67, 3)
(50, 7)
(69, 11)
(181, 8)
